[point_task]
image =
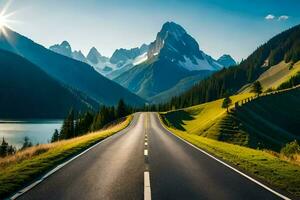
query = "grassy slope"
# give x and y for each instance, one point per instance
(200, 119)
(275, 76)
(20, 169)
(263, 165)
(271, 121)
(266, 122)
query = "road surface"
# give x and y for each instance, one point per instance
(145, 161)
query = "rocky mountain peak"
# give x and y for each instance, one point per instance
(226, 60)
(94, 55)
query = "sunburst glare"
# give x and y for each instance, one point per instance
(6, 17)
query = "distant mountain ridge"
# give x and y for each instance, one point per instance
(70, 72)
(110, 67)
(172, 57)
(151, 69)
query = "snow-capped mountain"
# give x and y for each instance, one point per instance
(121, 60)
(226, 60)
(99, 62)
(172, 57)
(151, 69)
(176, 45)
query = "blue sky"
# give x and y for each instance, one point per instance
(236, 27)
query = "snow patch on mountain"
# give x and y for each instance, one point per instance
(140, 59)
(197, 64)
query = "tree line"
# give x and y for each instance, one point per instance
(283, 47)
(6, 149)
(77, 124)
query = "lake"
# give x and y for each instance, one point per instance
(38, 131)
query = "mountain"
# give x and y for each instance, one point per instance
(226, 61)
(70, 72)
(173, 43)
(121, 60)
(182, 86)
(173, 56)
(123, 56)
(282, 51)
(125, 59)
(78, 55)
(99, 62)
(95, 57)
(64, 49)
(28, 92)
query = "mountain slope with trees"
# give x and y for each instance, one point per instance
(28, 92)
(172, 57)
(70, 72)
(283, 47)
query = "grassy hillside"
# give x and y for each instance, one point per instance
(18, 170)
(275, 76)
(271, 121)
(202, 119)
(284, 47)
(266, 122)
(262, 165)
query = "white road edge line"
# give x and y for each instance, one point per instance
(234, 169)
(146, 152)
(26, 189)
(147, 188)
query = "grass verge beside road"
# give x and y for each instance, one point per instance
(257, 163)
(23, 167)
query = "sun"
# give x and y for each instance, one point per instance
(6, 16)
(3, 21)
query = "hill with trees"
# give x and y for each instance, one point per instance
(70, 72)
(28, 92)
(265, 121)
(283, 47)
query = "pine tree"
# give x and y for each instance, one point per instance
(226, 103)
(3, 148)
(55, 136)
(121, 109)
(27, 143)
(256, 88)
(6, 149)
(68, 127)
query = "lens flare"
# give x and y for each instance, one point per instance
(6, 16)
(3, 21)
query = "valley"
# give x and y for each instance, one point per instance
(200, 109)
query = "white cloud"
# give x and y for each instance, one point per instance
(269, 17)
(283, 17)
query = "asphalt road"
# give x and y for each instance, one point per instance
(115, 168)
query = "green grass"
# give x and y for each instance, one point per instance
(198, 119)
(275, 76)
(22, 168)
(266, 122)
(260, 164)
